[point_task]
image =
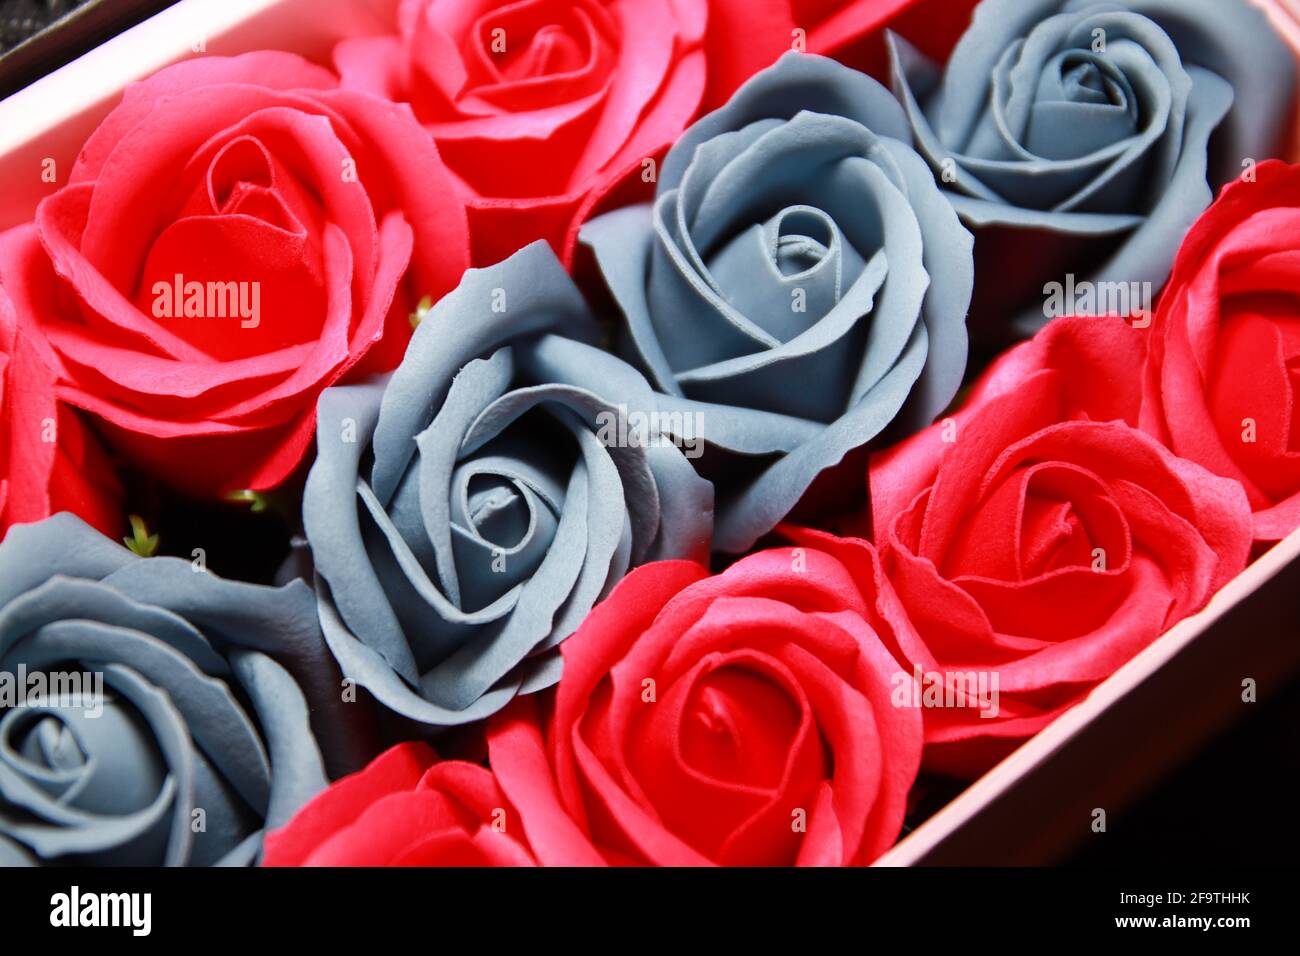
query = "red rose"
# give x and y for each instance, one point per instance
(405, 809)
(744, 718)
(49, 461)
(1224, 363)
(1039, 540)
(236, 236)
(538, 106)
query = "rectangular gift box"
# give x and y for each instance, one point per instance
(1034, 806)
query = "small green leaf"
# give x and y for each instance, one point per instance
(140, 541)
(421, 310)
(256, 500)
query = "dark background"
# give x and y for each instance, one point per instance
(1234, 803)
(81, 25)
(19, 19)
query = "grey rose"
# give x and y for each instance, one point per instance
(466, 513)
(1088, 134)
(151, 713)
(799, 284)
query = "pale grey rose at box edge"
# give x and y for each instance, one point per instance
(152, 713)
(1111, 123)
(466, 512)
(799, 284)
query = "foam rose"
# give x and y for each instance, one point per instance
(749, 718)
(155, 715)
(49, 460)
(1040, 539)
(1085, 136)
(466, 513)
(798, 285)
(1221, 373)
(235, 236)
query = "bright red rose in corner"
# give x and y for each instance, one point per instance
(49, 461)
(405, 809)
(1039, 539)
(740, 719)
(237, 235)
(1224, 365)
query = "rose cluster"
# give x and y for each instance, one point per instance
(559, 336)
